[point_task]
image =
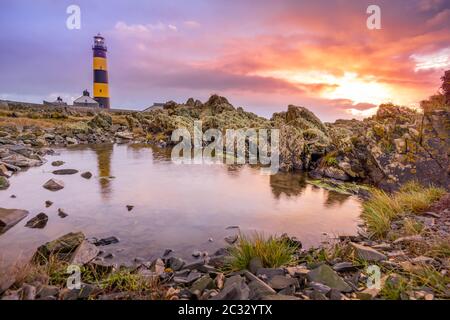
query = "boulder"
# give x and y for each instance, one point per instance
(62, 248)
(38, 222)
(326, 275)
(22, 161)
(10, 217)
(175, 263)
(367, 253)
(54, 185)
(65, 171)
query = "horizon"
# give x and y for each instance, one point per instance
(305, 54)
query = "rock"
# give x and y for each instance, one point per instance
(320, 287)
(279, 282)
(28, 292)
(231, 239)
(367, 253)
(268, 273)
(65, 172)
(279, 297)
(61, 213)
(129, 207)
(336, 295)
(38, 222)
(196, 254)
(344, 267)
(125, 135)
(432, 214)
(10, 217)
(106, 241)
(176, 263)
(235, 288)
(415, 238)
(368, 294)
(71, 140)
(101, 120)
(422, 260)
(45, 291)
(21, 161)
(158, 267)
(11, 295)
(4, 172)
(258, 288)
(219, 280)
(63, 248)
(48, 203)
(203, 283)
(85, 253)
(298, 272)
(58, 163)
(255, 264)
(86, 175)
(4, 183)
(54, 185)
(335, 173)
(13, 196)
(327, 276)
(167, 252)
(6, 283)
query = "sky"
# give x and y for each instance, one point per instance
(261, 55)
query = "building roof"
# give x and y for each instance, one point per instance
(155, 106)
(85, 100)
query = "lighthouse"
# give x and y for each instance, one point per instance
(101, 90)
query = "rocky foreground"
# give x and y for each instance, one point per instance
(411, 267)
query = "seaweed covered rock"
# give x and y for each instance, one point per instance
(101, 120)
(303, 138)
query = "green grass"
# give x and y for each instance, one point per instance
(273, 252)
(395, 289)
(330, 159)
(381, 209)
(124, 280)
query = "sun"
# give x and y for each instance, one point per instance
(358, 90)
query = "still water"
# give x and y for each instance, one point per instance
(179, 207)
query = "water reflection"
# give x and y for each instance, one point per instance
(288, 184)
(175, 206)
(104, 154)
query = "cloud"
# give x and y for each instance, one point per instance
(192, 24)
(143, 28)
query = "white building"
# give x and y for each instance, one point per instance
(85, 101)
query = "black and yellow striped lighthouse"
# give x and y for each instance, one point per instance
(101, 90)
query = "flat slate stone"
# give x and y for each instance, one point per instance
(65, 172)
(327, 276)
(368, 253)
(10, 217)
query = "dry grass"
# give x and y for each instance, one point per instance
(273, 252)
(381, 209)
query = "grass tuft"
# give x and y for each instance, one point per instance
(273, 252)
(382, 208)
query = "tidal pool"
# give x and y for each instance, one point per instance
(178, 207)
